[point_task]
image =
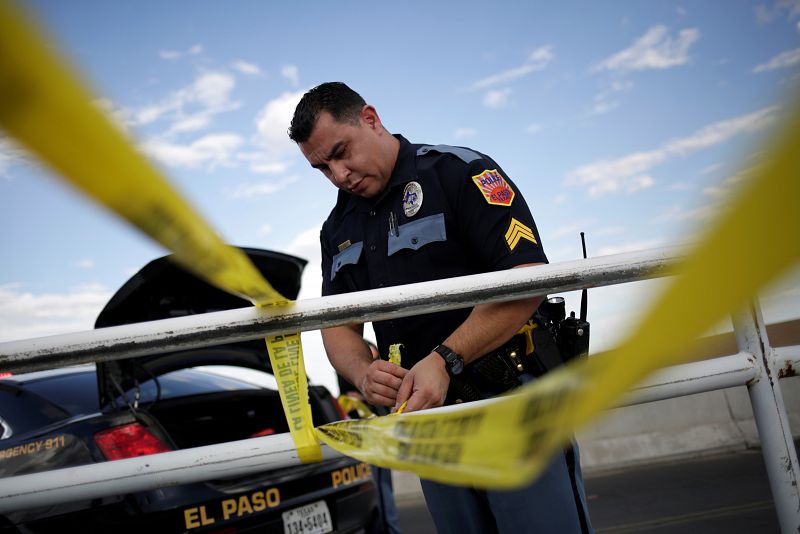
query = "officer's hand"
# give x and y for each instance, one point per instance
(425, 385)
(381, 382)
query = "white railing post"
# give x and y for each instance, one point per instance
(772, 422)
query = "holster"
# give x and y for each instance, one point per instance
(503, 368)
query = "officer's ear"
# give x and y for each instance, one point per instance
(370, 116)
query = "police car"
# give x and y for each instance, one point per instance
(138, 406)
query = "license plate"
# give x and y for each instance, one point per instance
(312, 518)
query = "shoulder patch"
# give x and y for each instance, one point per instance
(464, 154)
(516, 232)
(495, 189)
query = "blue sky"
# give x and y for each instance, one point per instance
(628, 120)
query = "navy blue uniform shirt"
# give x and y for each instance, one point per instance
(446, 212)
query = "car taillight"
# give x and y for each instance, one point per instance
(266, 432)
(128, 441)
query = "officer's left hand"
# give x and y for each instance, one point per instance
(425, 385)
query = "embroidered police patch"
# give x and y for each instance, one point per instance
(495, 189)
(516, 232)
(412, 199)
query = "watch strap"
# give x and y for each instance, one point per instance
(454, 363)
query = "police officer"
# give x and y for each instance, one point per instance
(410, 213)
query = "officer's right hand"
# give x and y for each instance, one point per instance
(381, 382)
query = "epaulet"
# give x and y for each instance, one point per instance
(465, 155)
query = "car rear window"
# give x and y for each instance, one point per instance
(74, 393)
(188, 382)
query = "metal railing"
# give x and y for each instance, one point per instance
(756, 366)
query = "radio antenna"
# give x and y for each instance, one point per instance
(584, 295)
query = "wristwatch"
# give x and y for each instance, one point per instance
(453, 362)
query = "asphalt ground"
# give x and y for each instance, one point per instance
(726, 493)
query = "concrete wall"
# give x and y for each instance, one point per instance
(705, 423)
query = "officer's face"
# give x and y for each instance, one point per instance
(357, 158)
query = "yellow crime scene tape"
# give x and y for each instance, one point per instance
(501, 443)
(45, 106)
(353, 404)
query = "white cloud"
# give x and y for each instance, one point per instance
(273, 121)
(85, 263)
(191, 108)
(534, 128)
(496, 98)
(723, 189)
(461, 133)
(169, 55)
(766, 14)
(573, 228)
(785, 59)
(212, 89)
(637, 183)
(712, 168)
(265, 229)
(10, 154)
(717, 196)
(119, 115)
(602, 105)
(196, 49)
(608, 230)
(632, 246)
(253, 189)
(151, 113)
(246, 68)
(291, 73)
(656, 49)
(537, 60)
(209, 151)
(628, 172)
(191, 123)
(26, 315)
(306, 245)
(269, 167)
(605, 101)
(677, 214)
(680, 186)
(260, 163)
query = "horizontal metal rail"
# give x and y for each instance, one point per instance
(211, 462)
(756, 365)
(271, 452)
(313, 314)
(697, 377)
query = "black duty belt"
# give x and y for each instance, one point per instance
(531, 353)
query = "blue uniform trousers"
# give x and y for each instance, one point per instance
(553, 504)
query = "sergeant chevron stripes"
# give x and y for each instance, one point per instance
(516, 231)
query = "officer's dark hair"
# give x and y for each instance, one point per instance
(336, 98)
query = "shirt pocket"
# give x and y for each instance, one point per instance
(348, 256)
(416, 234)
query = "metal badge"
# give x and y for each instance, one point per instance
(412, 199)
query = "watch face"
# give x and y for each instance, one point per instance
(456, 365)
(453, 362)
